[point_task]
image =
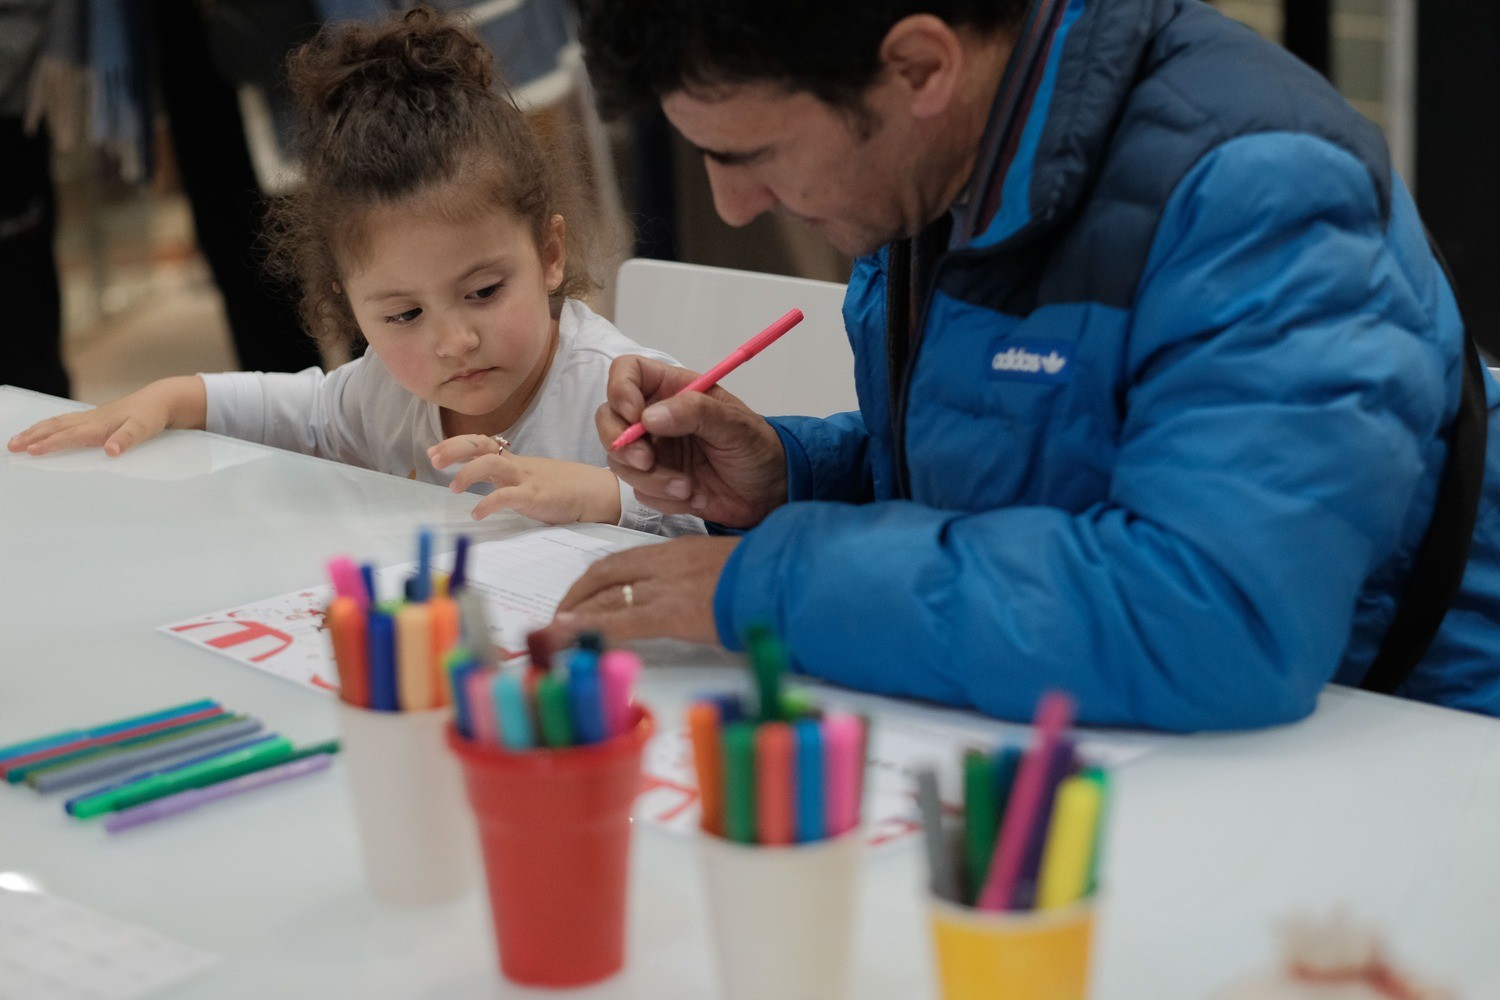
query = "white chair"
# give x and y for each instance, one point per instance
(699, 314)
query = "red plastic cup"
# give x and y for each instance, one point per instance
(554, 831)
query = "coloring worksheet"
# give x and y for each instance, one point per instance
(522, 579)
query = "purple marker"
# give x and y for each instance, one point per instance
(182, 802)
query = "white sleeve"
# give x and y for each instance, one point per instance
(303, 411)
(636, 515)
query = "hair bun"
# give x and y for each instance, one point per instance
(420, 56)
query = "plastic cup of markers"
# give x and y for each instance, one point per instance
(1012, 955)
(554, 832)
(416, 836)
(783, 917)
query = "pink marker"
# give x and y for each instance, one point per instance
(710, 378)
(346, 580)
(844, 767)
(481, 702)
(618, 670)
(1052, 716)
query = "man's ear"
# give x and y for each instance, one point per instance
(923, 54)
(554, 252)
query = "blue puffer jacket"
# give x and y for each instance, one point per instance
(1173, 422)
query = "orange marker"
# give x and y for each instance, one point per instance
(416, 680)
(703, 729)
(346, 625)
(442, 614)
(775, 783)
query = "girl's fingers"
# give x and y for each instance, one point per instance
(505, 498)
(494, 469)
(463, 447)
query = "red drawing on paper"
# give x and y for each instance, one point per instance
(662, 799)
(244, 631)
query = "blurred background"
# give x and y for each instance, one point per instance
(140, 297)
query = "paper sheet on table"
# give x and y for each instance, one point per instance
(55, 949)
(901, 741)
(522, 579)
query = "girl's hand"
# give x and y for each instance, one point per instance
(180, 403)
(543, 489)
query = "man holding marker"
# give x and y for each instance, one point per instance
(1164, 398)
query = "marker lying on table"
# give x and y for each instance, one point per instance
(15, 750)
(710, 378)
(166, 767)
(17, 771)
(182, 802)
(53, 779)
(222, 768)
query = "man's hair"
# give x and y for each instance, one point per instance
(638, 51)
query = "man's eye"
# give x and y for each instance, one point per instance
(487, 292)
(405, 317)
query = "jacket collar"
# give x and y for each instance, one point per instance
(1069, 75)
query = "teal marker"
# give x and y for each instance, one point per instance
(107, 729)
(516, 730)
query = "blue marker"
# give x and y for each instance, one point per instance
(459, 576)
(160, 770)
(78, 735)
(812, 803)
(731, 707)
(367, 573)
(381, 650)
(516, 730)
(583, 660)
(586, 706)
(422, 591)
(459, 676)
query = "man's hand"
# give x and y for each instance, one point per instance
(706, 454)
(671, 593)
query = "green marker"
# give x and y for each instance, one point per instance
(1099, 777)
(797, 704)
(221, 768)
(18, 774)
(739, 782)
(981, 819)
(768, 660)
(552, 707)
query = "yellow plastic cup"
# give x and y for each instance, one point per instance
(997, 955)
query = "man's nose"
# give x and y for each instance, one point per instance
(738, 196)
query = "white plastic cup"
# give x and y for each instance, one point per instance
(783, 917)
(416, 832)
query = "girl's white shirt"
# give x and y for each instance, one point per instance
(358, 414)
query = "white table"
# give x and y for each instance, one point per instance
(1390, 807)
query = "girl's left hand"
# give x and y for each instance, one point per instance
(543, 489)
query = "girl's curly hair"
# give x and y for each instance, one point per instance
(410, 110)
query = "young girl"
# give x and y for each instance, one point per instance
(427, 227)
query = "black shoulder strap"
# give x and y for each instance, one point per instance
(1438, 568)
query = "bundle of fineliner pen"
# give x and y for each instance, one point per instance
(1030, 833)
(392, 654)
(148, 767)
(786, 773)
(575, 697)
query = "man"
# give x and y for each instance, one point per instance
(1157, 373)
